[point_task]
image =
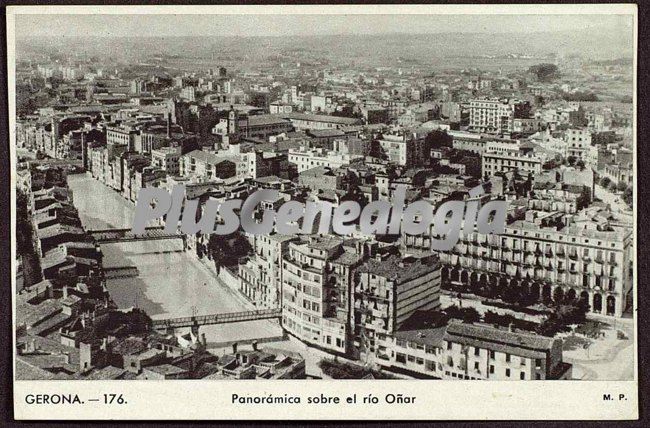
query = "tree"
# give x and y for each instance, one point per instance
(437, 139)
(226, 250)
(571, 160)
(603, 138)
(377, 151)
(544, 72)
(468, 315)
(550, 326)
(605, 182)
(580, 96)
(621, 187)
(550, 164)
(628, 196)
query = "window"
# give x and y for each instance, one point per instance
(538, 376)
(491, 369)
(538, 363)
(477, 351)
(400, 358)
(522, 375)
(492, 355)
(507, 358)
(507, 372)
(449, 346)
(476, 366)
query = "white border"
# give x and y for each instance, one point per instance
(437, 400)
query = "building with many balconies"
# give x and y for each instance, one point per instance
(555, 256)
(316, 279)
(389, 290)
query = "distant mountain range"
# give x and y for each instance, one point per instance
(593, 43)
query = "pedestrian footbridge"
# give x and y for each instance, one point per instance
(224, 318)
(106, 236)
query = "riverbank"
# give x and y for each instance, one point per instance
(171, 282)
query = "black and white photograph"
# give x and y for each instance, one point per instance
(322, 196)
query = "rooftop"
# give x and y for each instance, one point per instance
(321, 118)
(399, 269)
(484, 336)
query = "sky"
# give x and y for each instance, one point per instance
(289, 25)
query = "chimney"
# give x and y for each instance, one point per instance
(234, 348)
(169, 124)
(254, 345)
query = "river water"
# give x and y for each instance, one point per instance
(171, 282)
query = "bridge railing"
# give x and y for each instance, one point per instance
(218, 318)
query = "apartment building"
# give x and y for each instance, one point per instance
(316, 275)
(307, 158)
(261, 276)
(122, 135)
(403, 149)
(578, 145)
(583, 259)
(474, 352)
(167, 159)
(494, 162)
(389, 290)
(208, 166)
(496, 116)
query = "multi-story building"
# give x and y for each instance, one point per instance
(260, 126)
(484, 352)
(551, 255)
(316, 283)
(494, 162)
(278, 107)
(302, 121)
(475, 352)
(122, 135)
(308, 158)
(496, 116)
(578, 145)
(405, 149)
(388, 291)
(261, 276)
(167, 159)
(208, 166)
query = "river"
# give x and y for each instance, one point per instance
(171, 282)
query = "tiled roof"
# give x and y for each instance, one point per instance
(517, 343)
